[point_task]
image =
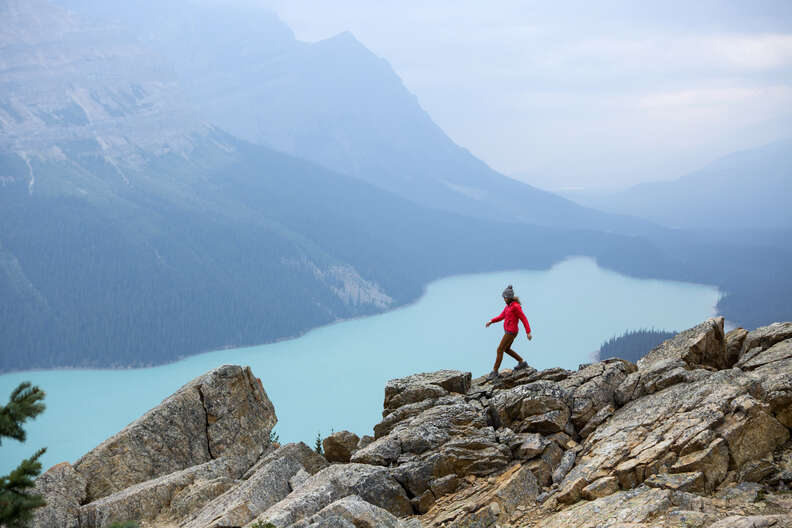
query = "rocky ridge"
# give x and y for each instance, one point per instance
(697, 433)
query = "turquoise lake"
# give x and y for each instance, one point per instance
(333, 377)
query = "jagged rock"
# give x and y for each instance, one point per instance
(444, 485)
(540, 407)
(754, 521)
(656, 377)
(602, 487)
(392, 419)
(332, 521)
(648, 435)
(372, 484)
(299, 479)
(778, 353)
(308, 458)
(197, 495)
(571, 490)
(734, 342)
(750, 431)
(477, 453)
(765, 337)
(741, 493)
(424, 502)
(528, 445)
(428, 430)
(148, 500)
(266, 486)
(486, 500)
(756, 470)
(567, 461)
(65, 490)
(517, 487)
(223, 412)
(415, 475)
(712, 461)
(419, 387)
(692, 481)
(698, 346)
(593, 387)
(633, 506)
(339, 446)
(364, 441)
(598, 419)
(358, 513)
(773, 367)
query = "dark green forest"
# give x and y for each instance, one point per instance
(224, 251)
(632, 345)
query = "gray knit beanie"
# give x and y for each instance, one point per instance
(508, 293)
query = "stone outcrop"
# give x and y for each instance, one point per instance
(338, 447)
(225, 412)
(696, 434)
(269, 482)
(65, 491)
(370, 483)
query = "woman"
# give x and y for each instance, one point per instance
(510, 315)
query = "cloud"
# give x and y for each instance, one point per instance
(677, 54)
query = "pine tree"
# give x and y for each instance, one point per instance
(16, 500)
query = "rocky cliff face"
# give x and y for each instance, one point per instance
(69, 88)
(696, 434)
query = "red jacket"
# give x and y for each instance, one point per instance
(509, 316)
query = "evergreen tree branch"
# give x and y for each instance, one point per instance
(24, 403)
(16, 501)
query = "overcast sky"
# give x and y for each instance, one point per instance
(584, 94)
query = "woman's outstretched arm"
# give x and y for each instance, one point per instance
(498, 318)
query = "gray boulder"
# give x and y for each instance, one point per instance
(357, 512)
(773, 368)
(734, 342)
(223, 412)
(538, 407)
(372, 484)
(700, 426)
(593, 387)
(765, 337)
(64, 490)
(702, 345)
(428, 430)
(152, 499)
(419, 387)
(266, 486)
(339, 446)
(684, 358)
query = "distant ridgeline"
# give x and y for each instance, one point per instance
(633, 344)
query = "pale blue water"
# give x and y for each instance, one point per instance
(333, 376)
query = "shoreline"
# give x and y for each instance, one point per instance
(425, 287)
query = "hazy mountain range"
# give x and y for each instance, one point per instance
(332, 102)
(141, 223)
(747, 190)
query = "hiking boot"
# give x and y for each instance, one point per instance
(521, 365)
(493, 375)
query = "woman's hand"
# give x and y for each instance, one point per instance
(530, 337)
(486, 325)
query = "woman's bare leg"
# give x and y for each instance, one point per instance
(498, 359)
(515, 355)
(504, 346)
